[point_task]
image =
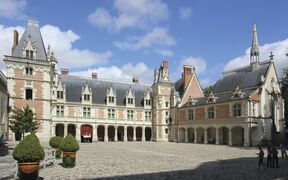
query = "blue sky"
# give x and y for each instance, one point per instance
(120, 39)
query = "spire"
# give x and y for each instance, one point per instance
(254, 51)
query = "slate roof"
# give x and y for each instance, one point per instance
(3, 82)
(246, 78)
(243, 77)
(99, 88)
(179, 87)
(33, 30)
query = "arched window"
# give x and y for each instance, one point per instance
(28, 94)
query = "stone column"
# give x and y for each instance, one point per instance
(105, 133)
(134, 133)
(195, 135)
(178, 135)
(95, 134)
(53, 133)
(186, 135)
(217, 136)
(205, 136)
(247, 136)
(65, 130)
(115, 132)
(143, 134)
(125, 134)
(77, 134)
(230, 137)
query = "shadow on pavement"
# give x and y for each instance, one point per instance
(240, 168)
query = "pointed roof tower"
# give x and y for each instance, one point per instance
(31, 41)
(254, 50)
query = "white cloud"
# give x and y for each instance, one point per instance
(122, 74)
(158, 36)
(61, 43)
(279, 49)
(185, 12)
(197, 62)
(130, 14)
(68, 56)
(164, 52)
(12, 8)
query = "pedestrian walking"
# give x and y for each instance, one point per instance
(275, 157)
(269, 157)
(283, 151)
(260, 157)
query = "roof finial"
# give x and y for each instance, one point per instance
(254, 51)
(271, 56)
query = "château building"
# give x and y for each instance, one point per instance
(244, 108)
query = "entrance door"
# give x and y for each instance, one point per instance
(86, 133)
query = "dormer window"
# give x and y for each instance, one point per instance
(211, 98)
(237, 94)
(86, 97)
(59, 94)
(111, 99)
(129, 100)
(148, 102)
(29, 71)
(29, 54)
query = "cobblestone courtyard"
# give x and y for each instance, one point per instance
(152, 160)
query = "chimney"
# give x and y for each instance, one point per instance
(165, 64)
(187, 74)
(64, 71)
(15, 40)
(94, 75)
(135, 80)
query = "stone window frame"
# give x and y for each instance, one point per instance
(60, 110)
(60, 94)
(190, 114)
(29, 71)
(130, 114)
(86, 97)
(86, 111)
(111, 113)
(26, 91)
(211, 113)
(237, 109)
(148, 115)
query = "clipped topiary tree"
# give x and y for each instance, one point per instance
(29, 153)
(69, 146)
(55, 142)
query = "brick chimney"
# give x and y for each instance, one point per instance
(64, 71)
(94, 75)
(165, 64)
(15, 40)
(187, 74)
(135, 80)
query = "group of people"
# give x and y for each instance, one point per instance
(272, 156)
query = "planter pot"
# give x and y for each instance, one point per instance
(57, 152)
(28, 170)
(69, 159)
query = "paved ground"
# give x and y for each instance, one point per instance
(164, 161)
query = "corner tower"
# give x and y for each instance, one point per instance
(29, 75)
(161, 103)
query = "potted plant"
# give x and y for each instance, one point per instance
(69, 146)
(28, 153)
(55, 142)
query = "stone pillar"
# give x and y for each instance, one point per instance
(217, 136)
(53, 133)
(143, 134)
(195, 135)
(77, 134)
(230, 137)
(115, 132)
(134, 133)
(186, 135)
(178, 135)
(105, 133)
(205, 136)
(247, 136)
(125, 134)
(65, 130)
(95, 134)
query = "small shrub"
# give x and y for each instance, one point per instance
(69, 144)
(55, 141)
(29, 150)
